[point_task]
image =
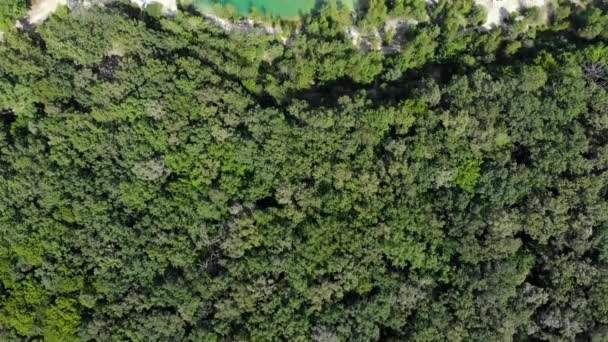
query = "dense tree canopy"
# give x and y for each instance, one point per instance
(164, 180)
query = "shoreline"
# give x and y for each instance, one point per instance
(497, 11)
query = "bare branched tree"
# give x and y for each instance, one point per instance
(597, 72)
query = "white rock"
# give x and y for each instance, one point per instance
(169, 6)
(41, 9)
(497, 9)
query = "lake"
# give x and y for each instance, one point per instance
(279, 8)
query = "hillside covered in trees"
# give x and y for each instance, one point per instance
(162, 179)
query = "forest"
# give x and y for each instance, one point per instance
(162, 179)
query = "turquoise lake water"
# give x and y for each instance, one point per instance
(279, 8)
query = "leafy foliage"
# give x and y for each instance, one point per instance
(162, 179)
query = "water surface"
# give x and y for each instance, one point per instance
(279, 8)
